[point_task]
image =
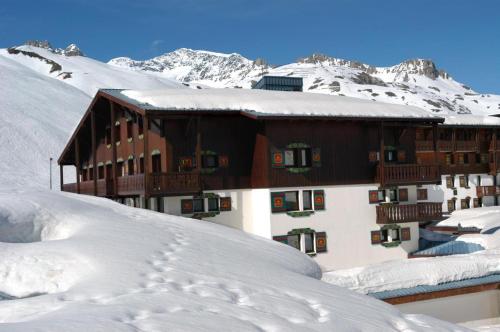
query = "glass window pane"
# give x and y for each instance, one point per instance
(292, 200)
(294, 241)
(307, 199)
(305, 157)
(381, 195)
(309, 242)
(198, 205)
(213, 204)
(393, 195)
(395, 234)
(289, 158)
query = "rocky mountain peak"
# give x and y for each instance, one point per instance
(70, 50)
(423, 67)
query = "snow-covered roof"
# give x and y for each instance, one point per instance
(471, 120)
(269, 103)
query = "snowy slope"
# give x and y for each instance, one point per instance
(90, 264)
(413, 82)
(86, 74)
(432, 271)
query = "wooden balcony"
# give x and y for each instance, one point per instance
(130, 185)
(466, 146)
(408, 174)
(390, 214)
(483, 191)
(174, 183)
(424, 146)
(104, 188)
(445, 145)
(465, 169)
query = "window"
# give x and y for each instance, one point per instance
(289, 158)
(484, 158)
(298, 157)
(477, 202)
(451, 205)
(108, 135)
(478, 158)
(422, 194)
(213, 204)
(292, 200)
(198, 205)
(141, 165)
(109, 171)
(209, 161)
(305, 157)
(140, 125)
(100, 171)
(450, 182)
(84, 174)
(390, 235)
(305, 240)
(156, 163)
(393, 195)
(119, 168)
(130, 166)
(464, 181)
(307, 200)
(449, 159)
(294, 241)
(390, 156)
(465, 203)
(308, 242)
(91, 173)
(479, 180)
(130, 127)
(117, 131)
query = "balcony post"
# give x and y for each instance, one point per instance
(382, 155)
(77, 163)
(113, 147)
(94, 149)
(146, 160)
(434, 142)
(478, 147)
(61, 177)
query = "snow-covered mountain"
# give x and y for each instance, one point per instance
(413, 82)
(43, 94)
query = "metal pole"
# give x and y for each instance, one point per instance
(50, 170)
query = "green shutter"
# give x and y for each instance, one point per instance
(278, 203)
(321, 242)
(406, 234)
(277, 159)
(319, 200)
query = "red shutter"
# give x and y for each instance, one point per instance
(372, 156)
(376, 237)
(319, 200)
(186, 206)
(225, 204)
(373, 196)
(401, 155)
(403, 195)
(406, 234)
(422, 194)
(223, 161)
(278, 202)
(277, 159)
(316, 157)
(281, 238)
(320, 241)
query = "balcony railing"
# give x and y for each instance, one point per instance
(466, 146)
(130, 184)
(174, 183)
(389, 214)
(482, 191)
(445, 145)
(87, 187)
(465, 169)
(408, 174)
(424, 145)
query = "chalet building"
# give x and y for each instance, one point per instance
(344, 180)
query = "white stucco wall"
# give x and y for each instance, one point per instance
(459, 308)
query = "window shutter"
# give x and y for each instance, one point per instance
(373, 196)
(451, 205)
(403, 195)
(278, 202)
(319, 200)
(316, 157)
(225, 204)
(281, 238)
(223, 161)
(406, 234)
(186, 206)
(277, 159)
(476, 202)
(376, 237)
(462, 181)
(449, 182)
(401, 155)
(320, 241)
(372, 156)
(422, 194)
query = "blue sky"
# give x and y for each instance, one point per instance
(461, 36)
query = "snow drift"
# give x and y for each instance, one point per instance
(120, 269)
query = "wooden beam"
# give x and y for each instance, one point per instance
(61, 177)
(113, 148)
(454, 140)
(434, 142)
(94, 149)
(77, 163)
(146, 159)
(382, 154)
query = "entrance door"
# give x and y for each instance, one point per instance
(109, 171)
